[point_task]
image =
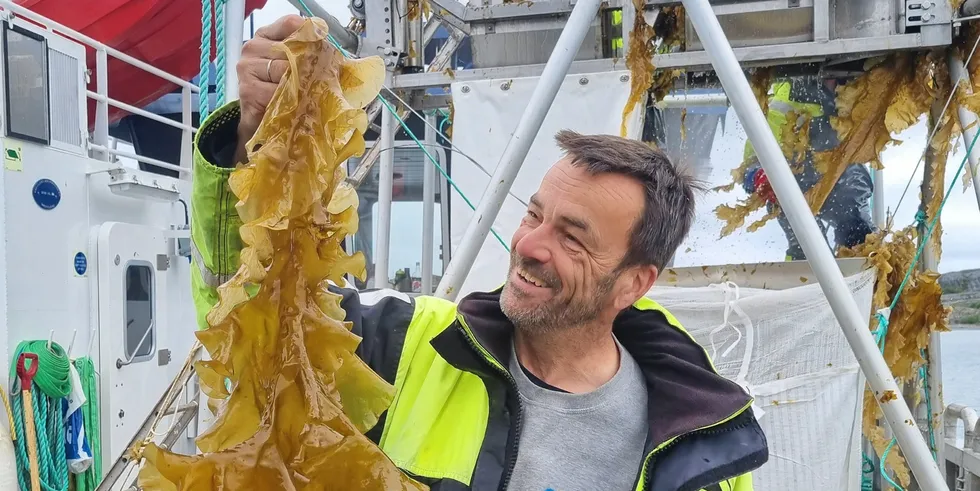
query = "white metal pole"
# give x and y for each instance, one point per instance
(386, 141)
(186, 136)
(234, 39)
(968, 120)
(445, 198)
(853, 323)
(629, 14)
(428, 207)
(101, 136)
(569, 42)
(682, 100)
(930, 262)
(878, 198)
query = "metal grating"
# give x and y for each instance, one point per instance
(64, 93)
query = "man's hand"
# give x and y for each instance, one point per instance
(259, 72)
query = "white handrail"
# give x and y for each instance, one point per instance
(141, 112)
(140, 158)
(98, 143)
(955, 413)
(67, 31)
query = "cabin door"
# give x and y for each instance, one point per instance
(134, 347)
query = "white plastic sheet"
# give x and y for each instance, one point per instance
(787, 349)
(484, 120)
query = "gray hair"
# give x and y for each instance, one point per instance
(668, 205)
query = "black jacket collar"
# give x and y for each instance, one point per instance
(685, 392)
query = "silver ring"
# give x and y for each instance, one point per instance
(268, 71)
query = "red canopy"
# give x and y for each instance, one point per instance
(163, 33)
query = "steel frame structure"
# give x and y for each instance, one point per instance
(827, 41)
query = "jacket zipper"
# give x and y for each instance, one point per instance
(519, 419)
(709, 430)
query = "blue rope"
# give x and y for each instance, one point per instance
(203, 101)
(867, 470)
(881, 468)
(219, 34)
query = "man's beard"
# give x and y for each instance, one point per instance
(558, 312)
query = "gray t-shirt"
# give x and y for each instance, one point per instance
(572, 442)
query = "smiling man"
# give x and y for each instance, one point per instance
(567, 378)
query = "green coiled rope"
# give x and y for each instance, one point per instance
(51, 385)
(89, 480)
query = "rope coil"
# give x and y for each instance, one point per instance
(51, 385)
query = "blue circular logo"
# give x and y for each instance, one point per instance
(81, 264)
(46, 194)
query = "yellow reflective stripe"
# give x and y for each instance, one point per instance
(438, 418)
(210, 278)
(741, 483)
(643, 476)
(215, 243)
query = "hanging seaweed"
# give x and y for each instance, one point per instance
(760, 80)
(918, 313)
(891, 96)
(292, 398)
(645, 79)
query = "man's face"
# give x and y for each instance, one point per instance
(565, 256)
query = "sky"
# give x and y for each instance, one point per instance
(961, 216)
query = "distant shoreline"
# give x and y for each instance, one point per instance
(964, 327)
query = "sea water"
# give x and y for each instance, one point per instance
(961, 367)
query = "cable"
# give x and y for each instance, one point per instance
(411, 135)
(952, 93)
(453, 146)
(442, 171)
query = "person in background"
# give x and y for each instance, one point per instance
(568, 377)
(848, 208)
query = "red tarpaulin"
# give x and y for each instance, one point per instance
(162, 33)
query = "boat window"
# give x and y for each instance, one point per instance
(140, 325)
(26, 84)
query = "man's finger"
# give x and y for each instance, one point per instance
(263, 48)
(281, 28)
(261, 70)
(260, 93)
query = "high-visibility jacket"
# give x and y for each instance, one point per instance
(455, 420)
(616, 19)
(780, 104)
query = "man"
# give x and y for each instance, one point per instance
(567, 378)
(848, 208)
